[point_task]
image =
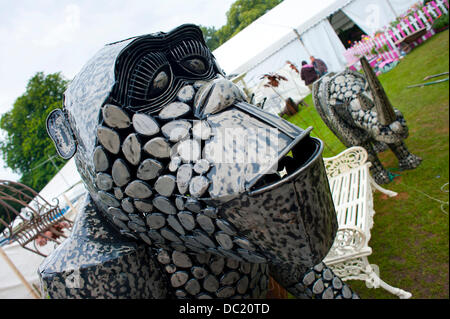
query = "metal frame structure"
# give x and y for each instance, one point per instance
(38, 216)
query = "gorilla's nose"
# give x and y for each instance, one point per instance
(215, 96)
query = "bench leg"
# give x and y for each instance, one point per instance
(381, 189)
(374, 281)
(360, 269)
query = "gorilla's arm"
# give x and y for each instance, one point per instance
(318, 282)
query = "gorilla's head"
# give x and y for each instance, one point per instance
(173, 155)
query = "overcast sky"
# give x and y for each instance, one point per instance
(53, 36)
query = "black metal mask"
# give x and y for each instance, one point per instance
(150, 120)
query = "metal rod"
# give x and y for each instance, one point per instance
(70, 204)
(10, 198)
(301, 41)
(9, 184)
(57, 170)
(434, 76)
(18, 274)
(42, 163)
(428, 83)
(392, 8)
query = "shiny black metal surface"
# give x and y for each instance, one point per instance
(150, 115)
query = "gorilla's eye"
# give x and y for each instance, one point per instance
(192, 56)
(159, 84)
(195, 65)
(150, 78)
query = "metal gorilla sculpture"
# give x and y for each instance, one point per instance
(144, 119)
(356, 109)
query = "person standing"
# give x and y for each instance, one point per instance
(319, 66)
(308, 74)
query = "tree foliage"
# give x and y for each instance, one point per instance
(239, 16)
(211, 37)
(27, 145)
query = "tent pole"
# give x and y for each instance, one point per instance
(18, 274)
(72, 208)
(68, 202)
(58, 170)
(301, 41)
(392, 8)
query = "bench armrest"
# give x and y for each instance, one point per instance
(348, 240)
(350, 158)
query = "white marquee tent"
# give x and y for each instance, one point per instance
(66, 183)
(27, 264)
(274, 98)
(296, 29)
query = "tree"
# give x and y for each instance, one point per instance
(239, 16)
(27, 145)
(211, 37)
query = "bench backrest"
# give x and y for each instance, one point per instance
(351, 194)
(349, 179)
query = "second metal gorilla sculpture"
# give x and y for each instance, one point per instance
(146, 119)
(356, 109)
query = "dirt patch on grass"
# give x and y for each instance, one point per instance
(388, 159)
(397, 180)
(442, 130)
(400, 196)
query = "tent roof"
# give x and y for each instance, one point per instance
(272, 31)
(65, 179)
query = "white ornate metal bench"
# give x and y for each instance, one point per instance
(351, 187)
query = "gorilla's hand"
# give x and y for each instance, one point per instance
(318, 282)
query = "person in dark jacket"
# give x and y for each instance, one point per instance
(319, 66)
(308, 74)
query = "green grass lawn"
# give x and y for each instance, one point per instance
(410, 237)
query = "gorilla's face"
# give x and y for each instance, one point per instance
(181, 161)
